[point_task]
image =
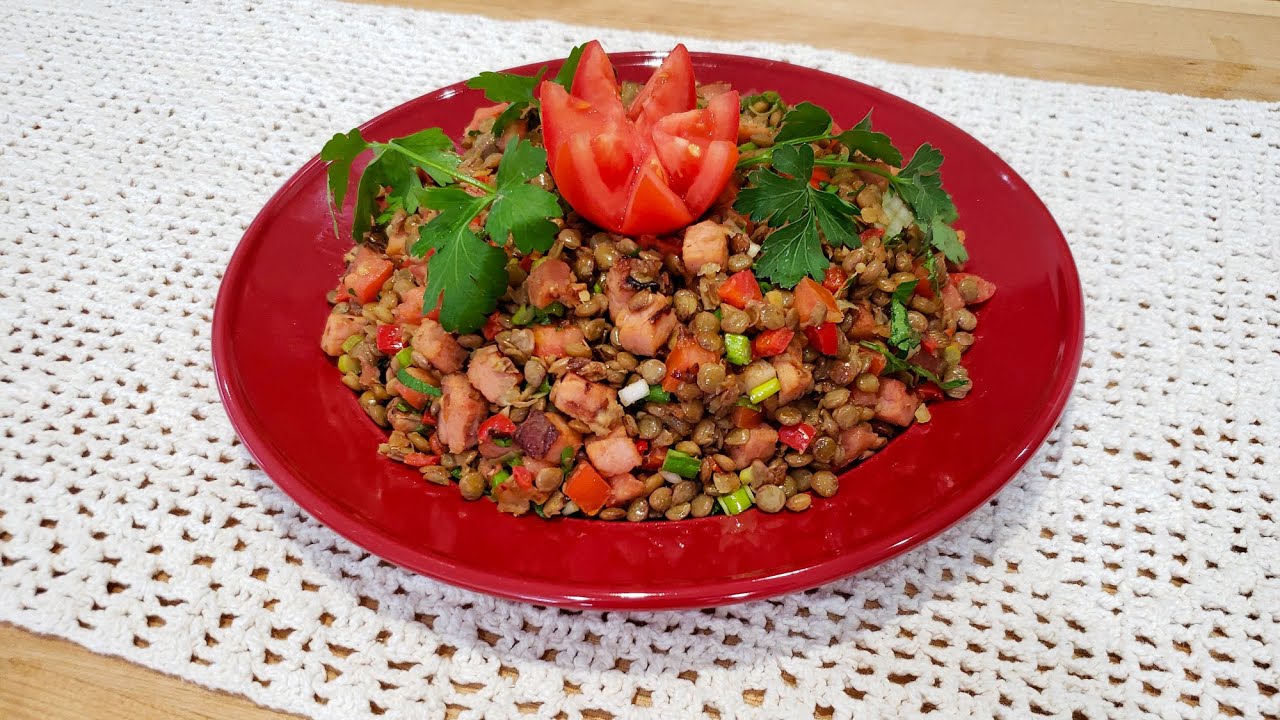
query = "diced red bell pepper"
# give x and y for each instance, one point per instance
(870, 233)
(642, 446)
(492, 327)
(819, 176)
(824, 338)
(522, 477)
(923, 287)
(745, 417)
(877, 364)
(740, 290)
(497, 427)
(586, 488)
(421, 459)
(526, 263)
(797, 436)
(928, 343)
(428, 419)
(772, 342)
(834, 279)
(928, 392)
(390, 339)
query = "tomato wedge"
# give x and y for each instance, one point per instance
(648, 169)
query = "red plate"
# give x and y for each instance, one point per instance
(307, 432)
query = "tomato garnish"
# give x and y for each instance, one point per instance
(647, 169)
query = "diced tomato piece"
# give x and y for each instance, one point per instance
(986, 288)
(797, 436)
(369, 270)
(928, 343)
(835, 279)
(390, 339)
(683, 362)
(923, 287)
(772, 342)
(498, 427)
(745, 417)
(492, 327)
(421, 459)
(642, 446)
(877, 364)
(666, 246)
(740, 289)
(825, 338)
(871, 233)
(819, 176)
(586, 488)
(409, 311)
(809, 295)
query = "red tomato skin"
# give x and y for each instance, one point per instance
(740, 290)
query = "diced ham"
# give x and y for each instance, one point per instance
(409, 311)
(592, 403)
(793, 378)
(337, 328)
(543, 436)
(619, 286)
(461, 410)
(494, 375)
(614, 454)
(646, 331)
(623, 489)
(512, 498)
(554, 341)
(951, 300)
(761, 442)
(896, 404)
(704, 244)
(859, 439)
(439, 347)
(551, 280)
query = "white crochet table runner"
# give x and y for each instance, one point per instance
(1132, 569)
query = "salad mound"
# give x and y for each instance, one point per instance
(658, 301)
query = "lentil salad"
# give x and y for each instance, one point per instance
(661, 365)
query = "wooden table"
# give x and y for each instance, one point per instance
(1211, 48)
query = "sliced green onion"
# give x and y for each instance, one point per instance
(657, 395)
(348, 364)
(736, 501)
(515, 460)
(523, 316)
(415, 384)
(566, 459)
(737, 348)
(765, 286)
(350, 343)
(405, 357)
(403, 406)
(682, 464)
(502, 442)
(500, 477)
(764, 390)
(555, 309)
(456, 472)
(596, 288)
(537, 509)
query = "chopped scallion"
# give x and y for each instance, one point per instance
(500, 477)
(682, 464)
(764, 390)
(415, 384)
(350, 343)
(405, 357)
(737, 348)
(736, 501)
(657, 395)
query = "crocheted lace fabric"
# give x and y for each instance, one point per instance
(1133, 568)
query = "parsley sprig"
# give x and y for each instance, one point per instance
(918, 183)
(895, 364)
(801, 214)
(467, 274)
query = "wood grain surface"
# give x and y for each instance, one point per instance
(1222, 49)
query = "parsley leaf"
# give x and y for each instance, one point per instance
(386, 169)
(465, 278)
(520, 210)
(935, 272)
(874, 145)
(804, 121)
(431, 150)
(800, 214)
(564, 77)
(901, 335)
(340, 152)
(921, 186)
(457, 209)
(516, 90)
